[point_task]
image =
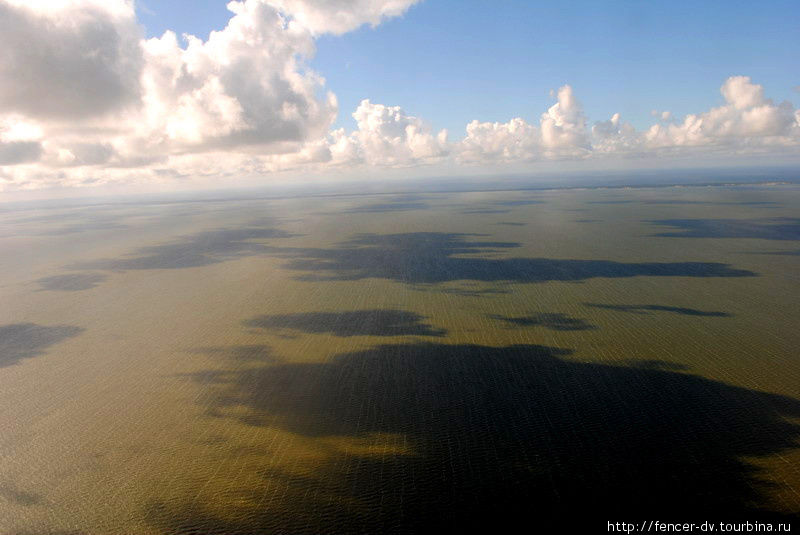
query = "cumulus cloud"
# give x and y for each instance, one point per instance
(386, 135)
(748, 122)
(747, 119)
(81, 76)
(564, 124)
(515, 140)
(341, 16)
(16, 152)
(561, 133)
(77, 154)
(245, 86)
(19, 141)
(68, 59)
(85, 99)
(615, 136)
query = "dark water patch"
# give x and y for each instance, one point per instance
(555, 321)
(782, 228)
(20, 341)
(350, 323)
(627, 201)
(388, 207)
(671, 202)
(587, 220)
(467, 292)
(10, 493)
(63, 223)
(485, 211)
(656, 364)
(409, 197)
(79, 228)
(523, 202)
(46, 531)
(497, 438)
(433, 257)
(258, 353)
(511, 223)
(201, 249)
(687, 202)
(73, 282)
(781, 253)
(646, 309)
(88, 226)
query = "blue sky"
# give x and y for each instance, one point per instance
(451, 61)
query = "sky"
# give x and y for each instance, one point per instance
(152, 93)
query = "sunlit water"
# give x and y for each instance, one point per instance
(399, 362)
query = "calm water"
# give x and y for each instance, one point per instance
(400, 362)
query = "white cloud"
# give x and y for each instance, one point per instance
(741, 93)
(341, 16)
(515, 140)
(80, 154)
(16, 152)
(387, 136)
(615, 136)
(747, 123)
(564, 124)
(561, 134)
(19, 141)
(243, 87)
(86, 100)
(80, 74)
(747, 119)
(68, 59)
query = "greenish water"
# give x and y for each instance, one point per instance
(404, 362)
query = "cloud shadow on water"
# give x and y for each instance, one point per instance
(687, 202)
(434, 257)
(495, 207)
(555, 321)
(72, 282)
(201, 249)
(485, 211)
(258, 353)
(465, 291)
(495, 436)
(11, 493)
(350, 323)
(60, 223)
(646, 309)
(523, 202)
(780, 253)
(781, 228)
(20, 341)
(388, 207)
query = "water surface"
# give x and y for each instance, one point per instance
(379, 363)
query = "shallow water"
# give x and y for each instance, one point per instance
(399, 362)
